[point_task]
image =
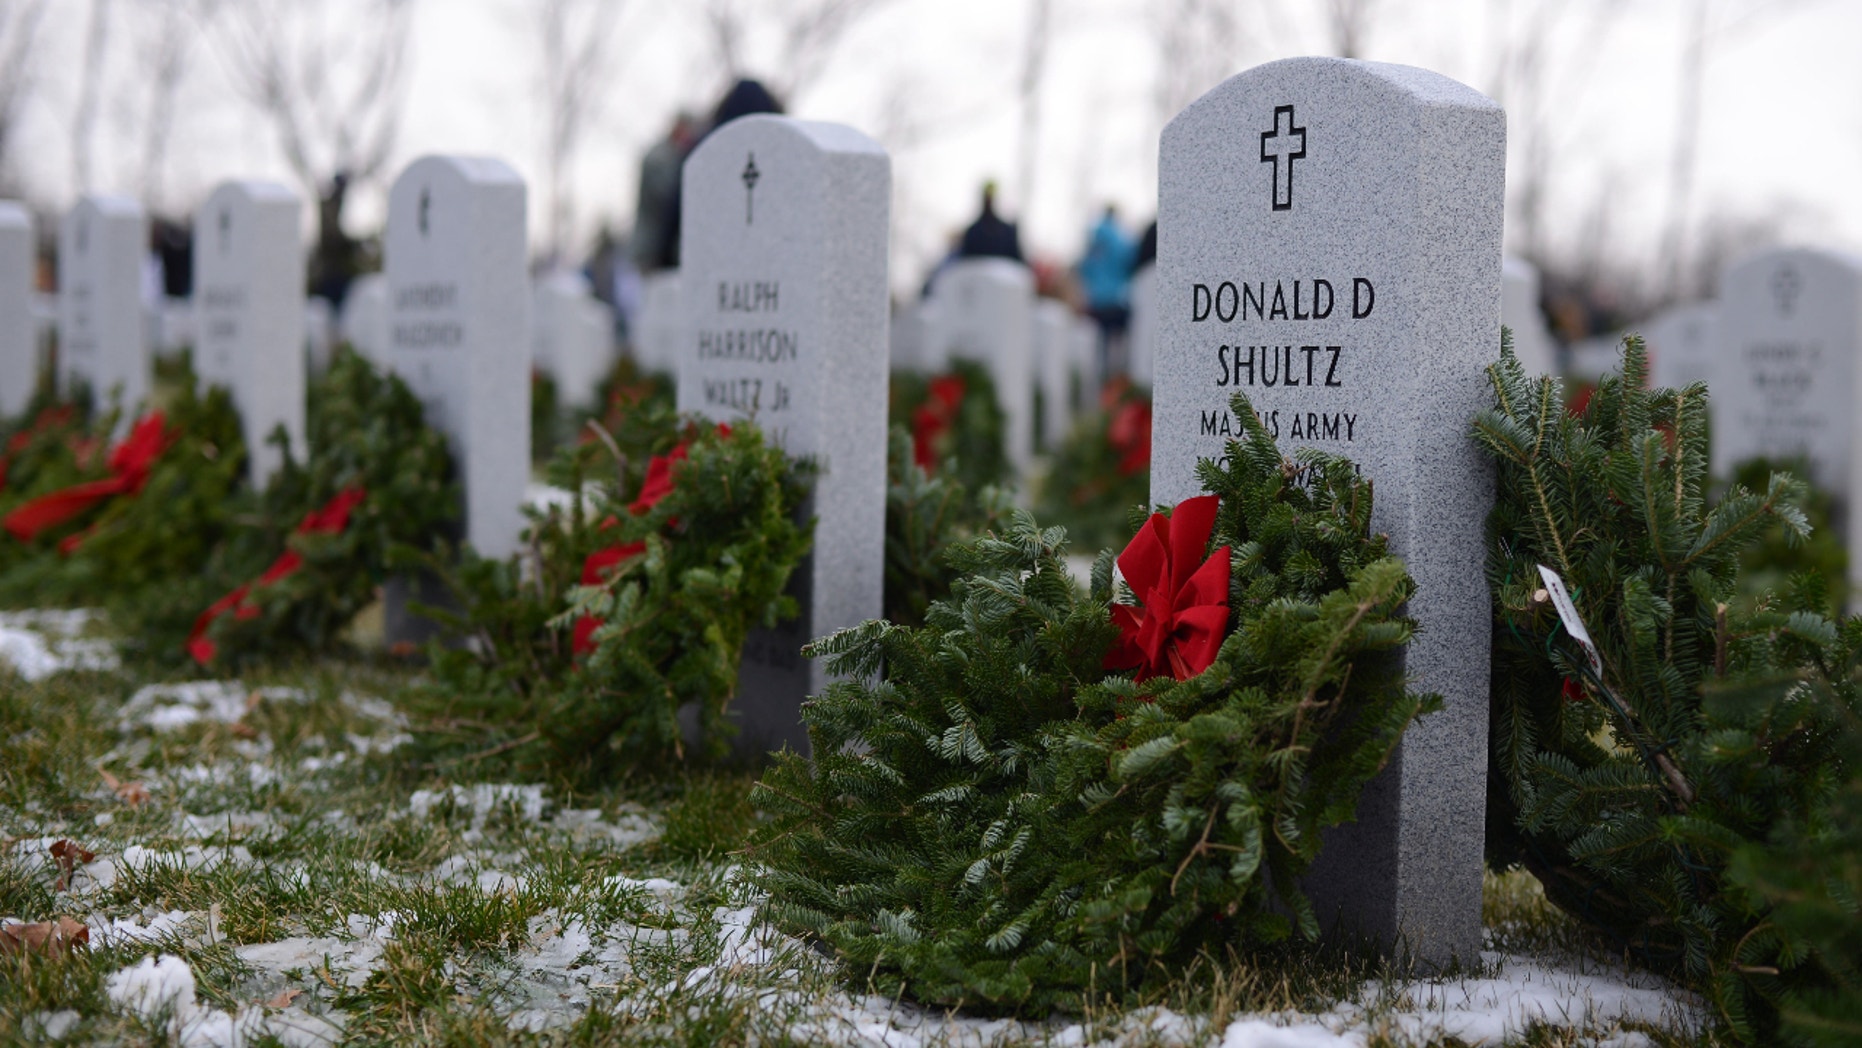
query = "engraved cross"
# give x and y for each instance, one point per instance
(1280, 146)
(749, 188)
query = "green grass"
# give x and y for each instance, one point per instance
(489, 910)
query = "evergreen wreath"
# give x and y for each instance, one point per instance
(1627, 792)
(926, 513)
(994, 820)
(956, 422)
(1103, 469)
(630, 603)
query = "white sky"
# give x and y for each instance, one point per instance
(935, 80)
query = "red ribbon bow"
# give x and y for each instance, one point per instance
(1130, 436)
(934, 418)
(331, 519)
(1182, 615)
(656, 486)
(130, 463)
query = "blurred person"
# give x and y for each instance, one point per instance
(655, 242)
(989, 236)
(1105, 277)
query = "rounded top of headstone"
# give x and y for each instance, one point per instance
(1416, 86)
(14, 215)
(109, 204)
(253, 189)
(1815, 257)
(476, 170)
(822, 135)
(1005, 270)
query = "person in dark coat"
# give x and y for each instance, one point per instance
(989, 236)
(744, 98)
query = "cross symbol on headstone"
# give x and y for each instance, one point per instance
(1280, 146)
(750, 175)
(426, 203)
(1785, 285)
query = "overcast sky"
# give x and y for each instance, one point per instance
(937, 82)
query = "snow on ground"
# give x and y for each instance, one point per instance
(38, 644)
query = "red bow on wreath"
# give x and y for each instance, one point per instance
(1130, 436)
(934, 418)
(1182, 615)
(130, 463)
(331, 519)
(656, 486)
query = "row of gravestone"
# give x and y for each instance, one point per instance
(1328, 243)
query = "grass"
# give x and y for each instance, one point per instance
(436, 905)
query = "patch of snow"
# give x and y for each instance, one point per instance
(365, 745)
(481, 799)
(49, 1026)
(118, 931)
(1254, 1032)
(373, 708)
(166, 707)
(659, 887)
(350, 959)
(39, 644)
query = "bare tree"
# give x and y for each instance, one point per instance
(1199, 42)
(1028, 90)
(807, 35)
(330, 82)
(84, 120)
(576, 43)
(163, 59)
(1349, 23)
(19, 31)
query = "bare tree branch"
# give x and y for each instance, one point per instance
(84, 120)
(576, 43)
(19, 31)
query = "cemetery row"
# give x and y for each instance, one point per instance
(1329, 249)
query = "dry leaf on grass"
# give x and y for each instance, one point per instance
(284, 998)
(130, 793)
(69, 857)
(53, 938)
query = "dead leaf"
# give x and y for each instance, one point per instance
(69, 857)
(403, 649)
(130, 793)
(243, 730)
(284, 998)
(253, 700)
(53, 938)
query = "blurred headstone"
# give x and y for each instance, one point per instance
(1680, 342)
(102, 337)
(365, 317)
(249, 292)
(19, 341)
(985, 313)
(1520, 312)
(1143, 342)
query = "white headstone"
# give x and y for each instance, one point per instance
(19, 341)
(459, 298)
(1084, 339)
(1784, 370)
(1329, 245)
(573, 337)
(249, 291)
(1141, 351)
(659, 338)
(365, 317)
(101, 332)
(1519, 311)
(1053, 335)
(783, 256)
(1681, 342)
(986, 314)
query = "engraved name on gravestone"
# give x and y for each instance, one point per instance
(19, 339)
(1329, 245)
(102, 335)
(249, 294)
(783, 262)
(1784, 370)
(985, 313)
(458, 300)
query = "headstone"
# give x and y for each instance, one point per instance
(1680, 342)
(1086, 376)
(319, 333)
(783, 254)
(365, 317)
(572, 337)
(905, 338)
(659, 340)
(459, 298)
(1142, 351)
(249, 290)
(1053, 329)
(19, 342)
(1329, 245)
(1520, 312)
(102, 337)
(171, 325)
(1784, 367)
(986, 314)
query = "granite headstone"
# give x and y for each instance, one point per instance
(364, 323)
(19, 341)
(1681, 343)
(1329, 245)
(249, 290)
(1053, 332)
(783, 262)
(102, 333)
(986, 314)
(1141, 346)
(1520, 312)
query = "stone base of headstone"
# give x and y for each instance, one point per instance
(402, 598)
(773, 680)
